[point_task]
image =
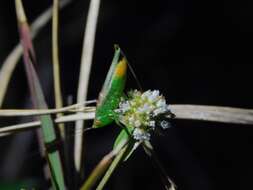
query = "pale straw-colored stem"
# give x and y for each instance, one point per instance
(218, 114)
(56, 63)
(35, 112)
(214, 114)
(8, 130)
(86, 61)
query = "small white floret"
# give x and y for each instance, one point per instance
(141, 135)
(124, 106)
(165, 124)
(161, 103)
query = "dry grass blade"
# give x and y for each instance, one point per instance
(190, 112)
(10, 62)
(36, 112)
(214, 114)
(86, 60)
(56, 63)
(9, 130)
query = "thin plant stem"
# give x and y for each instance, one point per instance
(8, 130)
(56, 62)
(102, 166)
(86, 61)
(218, 114)
(36, 112)
(213, 113)
(112, 167)
(98, 171)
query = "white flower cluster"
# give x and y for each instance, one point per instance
(143, 112)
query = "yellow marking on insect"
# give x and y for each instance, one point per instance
(121, 68)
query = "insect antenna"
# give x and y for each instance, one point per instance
(166, 180)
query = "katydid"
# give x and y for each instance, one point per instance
(112, 90)
(110, 97)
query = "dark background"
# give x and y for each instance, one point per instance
(193, 51)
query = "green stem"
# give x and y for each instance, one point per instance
(112, 167)
(98, 171)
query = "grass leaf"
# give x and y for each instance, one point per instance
(122, 139)
(38, 100)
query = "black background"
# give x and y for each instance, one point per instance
(193, 51)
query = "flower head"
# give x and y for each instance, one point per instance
(143, 112)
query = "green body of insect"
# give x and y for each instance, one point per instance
(112, 90)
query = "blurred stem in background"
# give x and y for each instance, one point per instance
(56, 63)
(12, 59)
(86, 61)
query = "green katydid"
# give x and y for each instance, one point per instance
(110, 96)
(112, 90)
(111, 93)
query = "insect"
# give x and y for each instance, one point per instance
(112, 90)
